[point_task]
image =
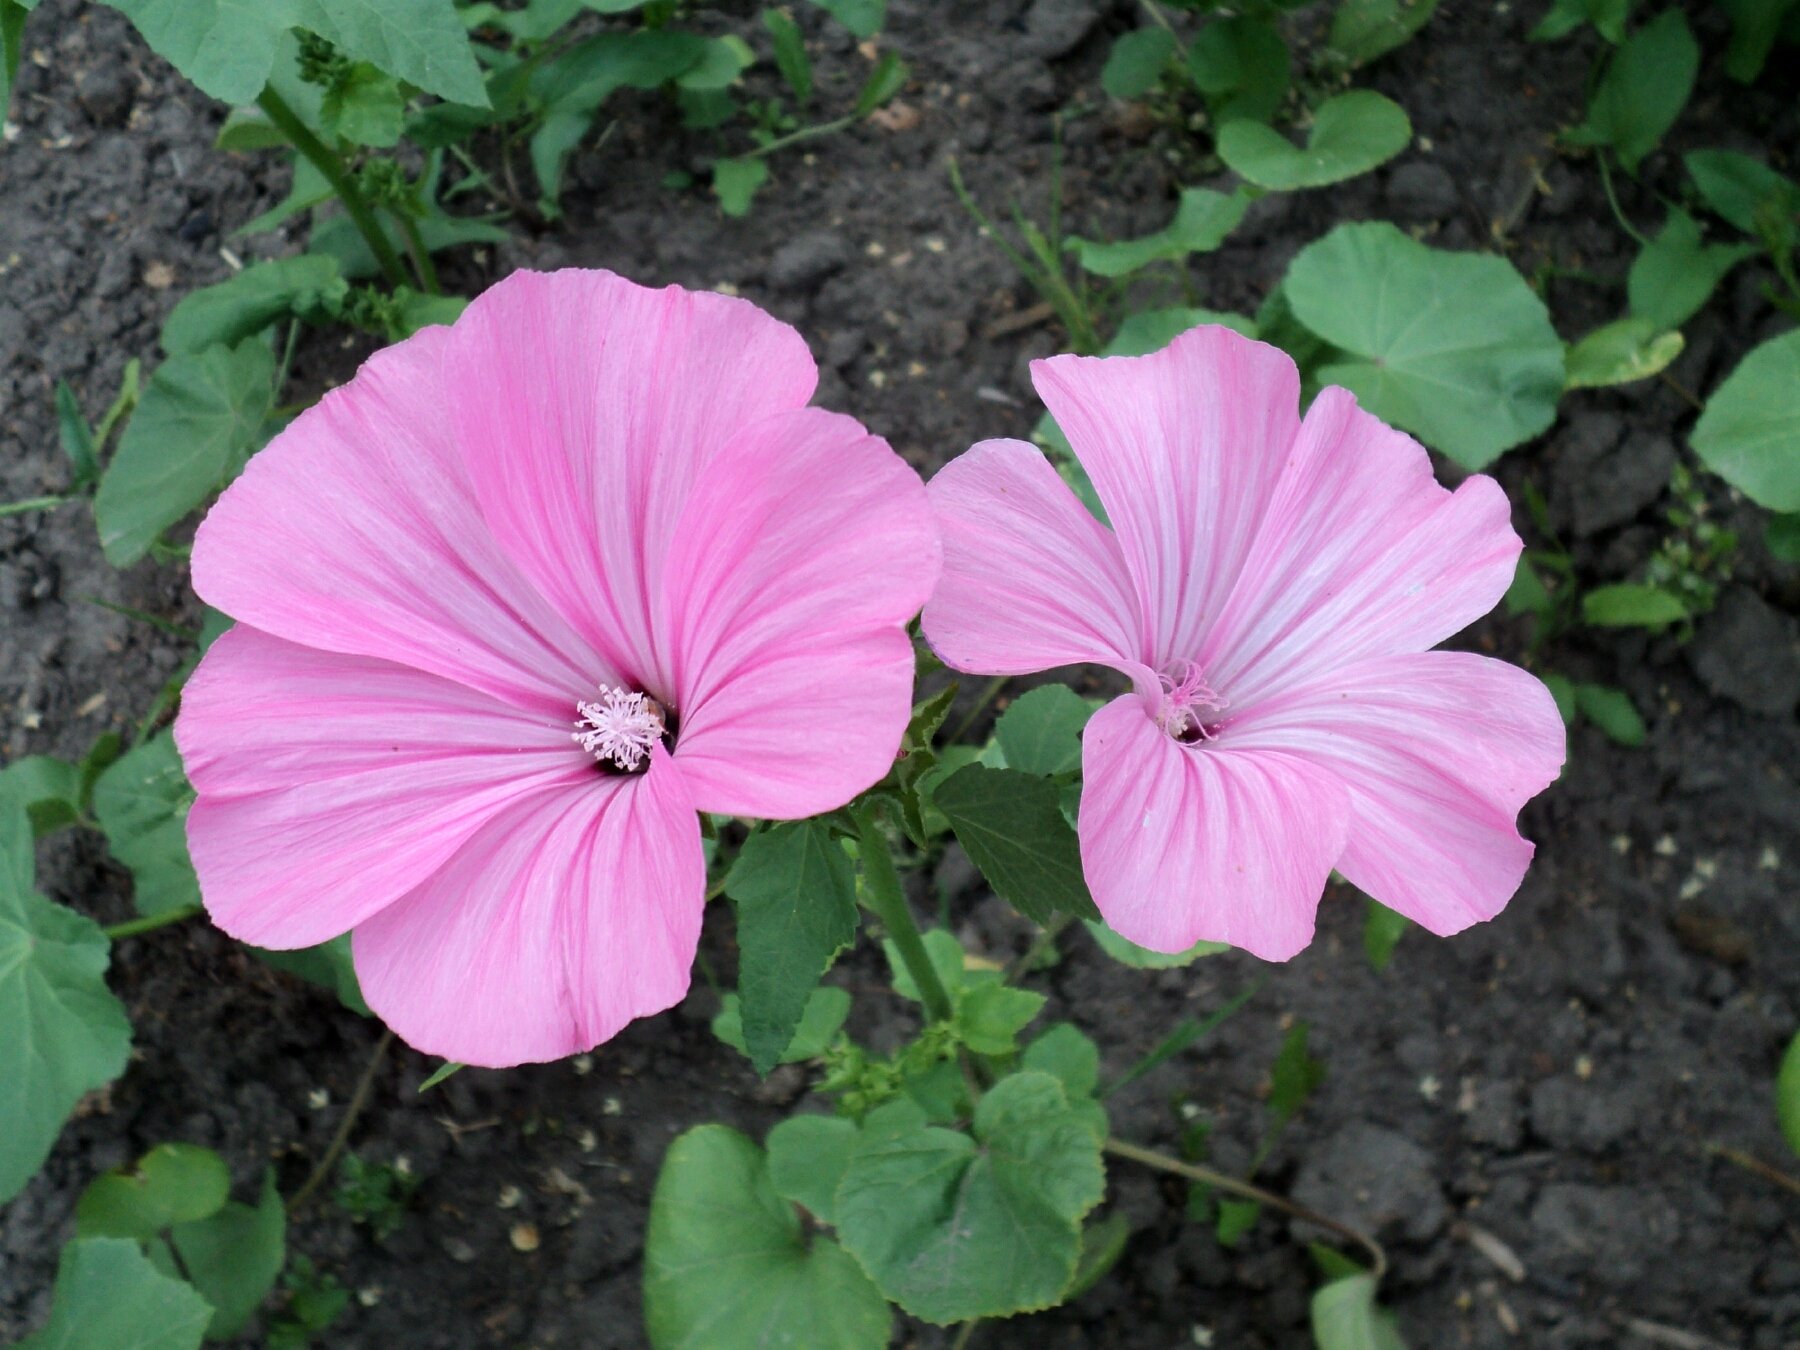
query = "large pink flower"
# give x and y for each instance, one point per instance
(1273, 588)
(513, 606)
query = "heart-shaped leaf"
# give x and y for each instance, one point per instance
(1350, 135)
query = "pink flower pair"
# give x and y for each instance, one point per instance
(534, 590)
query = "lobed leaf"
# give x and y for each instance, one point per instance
(108, 1296)
(1749, 433)
(1351, 134)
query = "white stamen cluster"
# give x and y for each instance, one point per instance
(619, 727)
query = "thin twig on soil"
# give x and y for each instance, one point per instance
(1249, 1191)
(1754, 1165)
(334, 1150)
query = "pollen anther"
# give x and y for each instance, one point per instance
(619, 727)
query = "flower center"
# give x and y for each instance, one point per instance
(1190, 711)
(619, 728)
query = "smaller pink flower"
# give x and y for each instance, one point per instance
(1273, 587)
(514, 605)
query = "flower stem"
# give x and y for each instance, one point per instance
(33, 504)
(1225, 1182)
(331, 165)
(882, 886)
(420, 255)
(133, 927)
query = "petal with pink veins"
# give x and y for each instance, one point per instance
(1031, 580)
(587, 408)
(330, 785)
(566, 916)
(1184, 448)
(1362, 553)
(804, 551)
(357, 531)
(1189, 843)
(1438, 751)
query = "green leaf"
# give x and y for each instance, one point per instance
(1350, 135)
(1236, 1218)
(307, 190)
(1562, 690)
(365, 107)
(1411, 354)
(1645, 87)
(249, 129)
(1621, 352)
(1382, 931)
(1040, 731)
(807, 1159)
(234, 1257)
(1102, 1244)
(1296, 1075)
(228, 48)
(199, 420)
(726, 1265)
(824, 1016)
(1749, 433)
(886, 80)
(76, 436)
(1012, 827)
(1067, 1055)
(109, 1297)
(1528, 594)
(65, 1032)
(250, 301)
(795, 891)
(862, 17)
(1630, 605)
(1136, 61)
(945, 954)
(952, 1227)
(1202, 220)
(1242, 66)
(735, 181)
(1783, 537)
(1565, 16)
(48, 788)
(1748, 193)
(142, 803)
(327, 965)
(1755, 25)
(12, 47)
(442, 1072)
(1787, 1094)
(722, 61)
(171, 1184)
(989, 1017)
(1612, 711)
(1675, 273)
(1362, 30)
(1127, 952)
(1345, 1317)
(790, 53)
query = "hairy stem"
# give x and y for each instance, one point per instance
(335, 1149)
(882, 887)
(1225, 1182)
(331, 165)
(133, 927)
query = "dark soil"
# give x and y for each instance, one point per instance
(1550, 1082)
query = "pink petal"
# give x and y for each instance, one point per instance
(1031, 580)
(357, 531)
(1184, 447)
(1362, 553)
(1184, 843)
(805, 549)
(569, 914)
(330, 785)
(587, 408)
(1438, 751)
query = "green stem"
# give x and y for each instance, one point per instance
(882, 886)
(1613, 200)
(33, 504)
(331, 165)
(989, 693)
(1226, 1182)
(421, 256)
(358, 1099)
(133, 927)
(804, 134)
